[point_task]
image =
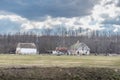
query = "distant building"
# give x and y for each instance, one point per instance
(79, 49)
(26, 48)
(60, 51)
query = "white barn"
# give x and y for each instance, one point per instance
(26, 48)
(80, 49)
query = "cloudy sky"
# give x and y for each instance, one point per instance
(27, 15)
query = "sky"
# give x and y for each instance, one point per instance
(28, 15)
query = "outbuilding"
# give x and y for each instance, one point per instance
(60, 51)
(26, 48)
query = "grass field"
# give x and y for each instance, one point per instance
(59, 61)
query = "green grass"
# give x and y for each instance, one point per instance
(59, 61)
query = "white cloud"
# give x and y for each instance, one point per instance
(107, 7)
(117, 27)
(104, 10)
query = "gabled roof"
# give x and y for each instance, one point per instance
(77, 45)
(26, 45)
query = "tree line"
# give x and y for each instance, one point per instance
(46, 43)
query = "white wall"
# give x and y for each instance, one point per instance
(85, 52)
(26, 51)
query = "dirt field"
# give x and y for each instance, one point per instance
(57, 73)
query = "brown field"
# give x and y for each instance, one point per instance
(49, 67)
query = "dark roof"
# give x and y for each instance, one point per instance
(26, 45)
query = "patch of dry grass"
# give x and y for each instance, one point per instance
(60, 61)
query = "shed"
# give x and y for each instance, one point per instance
(60, 51)
(79, 49)
(26, 48)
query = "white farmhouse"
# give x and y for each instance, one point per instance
(80, 49)
(26, 48)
